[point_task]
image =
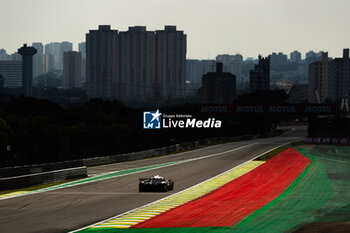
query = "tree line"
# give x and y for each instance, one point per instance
(34, 131)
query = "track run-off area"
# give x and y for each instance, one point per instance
(256, 185)
(300, 189)
(221, 188)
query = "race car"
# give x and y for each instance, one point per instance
(155, 183)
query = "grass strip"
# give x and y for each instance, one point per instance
(271, 154)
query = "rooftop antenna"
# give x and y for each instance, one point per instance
(345, 104)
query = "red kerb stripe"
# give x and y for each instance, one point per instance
(239, 198)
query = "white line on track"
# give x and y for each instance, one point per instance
(174, 155)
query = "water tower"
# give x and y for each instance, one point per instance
(27, 69)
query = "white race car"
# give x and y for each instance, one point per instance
(155, 183)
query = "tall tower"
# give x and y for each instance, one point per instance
(101, 63)
(339, 77)
(295, 56)
(54, 49)
(38, 59)
(27, 68)
(318, 87)
(137, 63)
(82, 49)
(66, 47)
(260, 76)
(170, 63)
(72, 69)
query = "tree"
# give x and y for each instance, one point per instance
(2, 82)
(263, 97)
(5, 134)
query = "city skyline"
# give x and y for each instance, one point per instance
(247, 27)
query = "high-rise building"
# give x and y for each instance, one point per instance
(11, 71)
(54, 49)
(48, 63)
(227, 59)
(27, 68)
(339, 77)
(278, 59)
(4, 56)
(195, 69)
(137, 63)
(329, 80)
(218, 87)
(260, 76)
(170, 63)
(39, 48)
(16, 57)
(57, 49)
(101, 63)
(66, 47)
(72, 69)
(82, 49)
(231, 63)
(295, 57)
(318, 88)
(311, 55)
(38, 59)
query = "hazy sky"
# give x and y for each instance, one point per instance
(249, 27)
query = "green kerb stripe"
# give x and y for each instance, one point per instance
(260, 211)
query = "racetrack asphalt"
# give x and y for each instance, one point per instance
(74, 207)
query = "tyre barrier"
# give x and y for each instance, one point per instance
(42, 178)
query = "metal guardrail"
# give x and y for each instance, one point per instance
(25, 176)
(42, 178)
(38, 168)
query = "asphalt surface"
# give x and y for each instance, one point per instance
(71, 208)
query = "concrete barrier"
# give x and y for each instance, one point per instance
(42, 178)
